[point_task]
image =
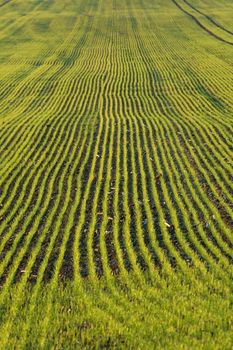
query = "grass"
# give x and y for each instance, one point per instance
(116, 174)
(169, 312)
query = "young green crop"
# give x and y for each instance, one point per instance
(116, 174)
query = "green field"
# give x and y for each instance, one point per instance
(116, 174)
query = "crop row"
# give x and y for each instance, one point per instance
(115, 145)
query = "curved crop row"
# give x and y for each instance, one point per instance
(115, 145)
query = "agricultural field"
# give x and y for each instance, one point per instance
(116, 174)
